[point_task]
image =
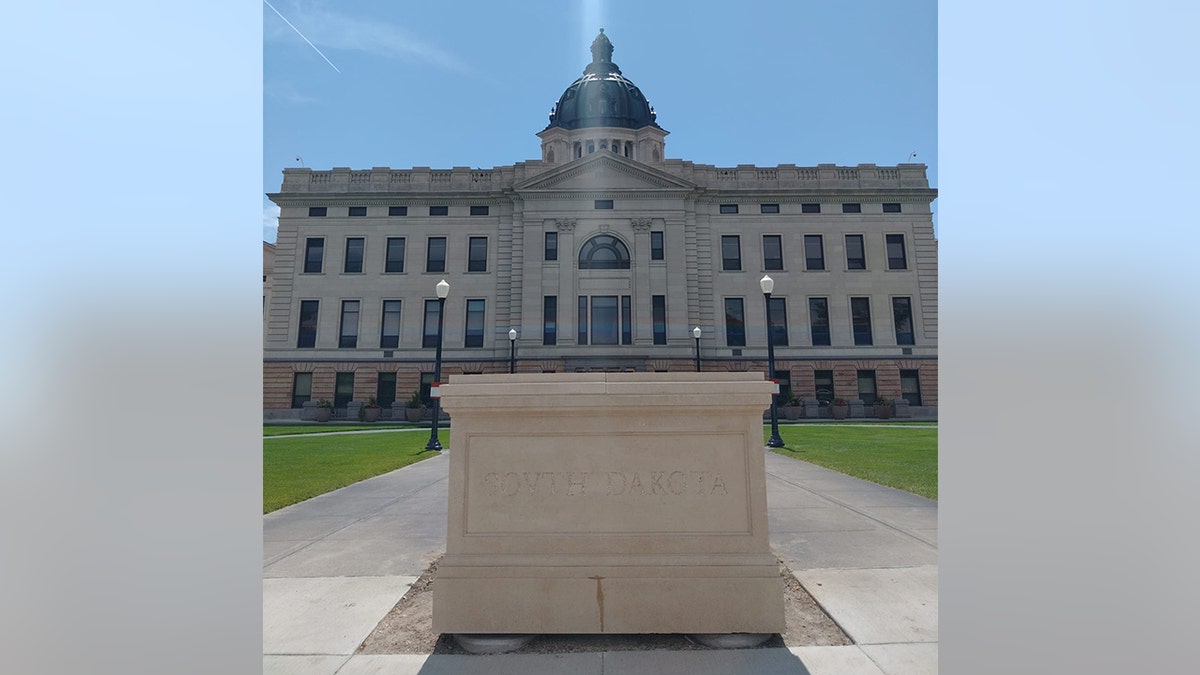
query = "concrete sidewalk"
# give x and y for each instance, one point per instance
(334, 565)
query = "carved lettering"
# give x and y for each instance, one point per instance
(636, 484)
(656, 486)
(682, 482)
(577, 479)
(512, 479)
(719, 484)
(612, 475)
(675, 483)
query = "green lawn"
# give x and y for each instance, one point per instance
(901, 458)
(288, 429)
(295, 469)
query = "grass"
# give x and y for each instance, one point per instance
(295, 469)
(905, 459)
(288, 429)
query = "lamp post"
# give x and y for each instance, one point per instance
(696, 334)
(767, 284)
(512, 350)
(443, 289)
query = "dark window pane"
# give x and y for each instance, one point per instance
(389, 332)
(659, 311)
(343, 389)
(439, 210)
(810, 208)
(604, 203)
(316, 211)
(474, 331)
(583, 320)
(435, 255)
(395, 255)
(731, 253)
(772, 252)
(910, 387)
(735, 323)
(385, 390)
(902, 315)
(314, 253)
(397, 210)
(856, 257)
(860, 316)
(768, 208)
(308, 324)
(814, 252)
(301, 389)
(656, 245)
(729, 208)
(477, 254)
(550, 320)
(897, 260)
(358, 211)
(479, 210)
(866, 386)
(893, 207)
(818, 319)
(604, 252)
(626, 320)
(354, 255)
(851, 208)
(551, 246)
(779, 330)
(605, 322)
(348, 337)
(823, 389)
(430, 330)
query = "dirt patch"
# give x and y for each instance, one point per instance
(408, 627)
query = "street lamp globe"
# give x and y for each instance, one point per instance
(443, 289)
(767, 284)
(696, 332)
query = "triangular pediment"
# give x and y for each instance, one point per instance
(605, 171)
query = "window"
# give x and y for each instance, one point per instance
(814, 252)
(604, 203)
(866, 386)
(851, 208)
(902, 317)
(429, 334)
(611, 320)
(385, 390)
(424, 387)
(582, 336)
(395, 255)
(779, 331)
(735, 323)
(731, 252)
(551, 246)
(435, 255)
(343, 389)
(810, 208)
(768, 208)
(479, 210)
(348, 337)
(910, 387)
(389, 331)
(358, 211)
(308, 324)
(353, 263)
(860, 318)
(656, 245)
(893, 207)
(626, 320)
(550, 320)
(784, 379)
(477, 254)
(473, 337)
(439, 210)
(659, 317)
(856, 256)
(823, 386)
(314, 252)
(772, 252)
(397, 210)
(897, 260)
(301, 389)
(729, 208)
(818, 318)
(316, 211)
(604, 252)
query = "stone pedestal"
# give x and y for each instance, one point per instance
(607, 503)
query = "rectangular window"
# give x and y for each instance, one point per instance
(604, 203)
(731, 252)
(308, 324)
(316, 211)
(473, 336)
(768, 208)
(343, 389)
(551, 246)
(735, 323)
(772, 252)
(893, 207)
(810, 208)
(348, 337)
(866, 386)
(389, 331)
(626, 320)
(435, 255)
(860, 318)
(397, 210)
(477, 254)
(358, 211)
(314, 253)
(818, 318)
(910, 387)
(659, 311)
(301, 389)
(823, 386)
(656, 245)
(856, 255)
(439, 210)
(353, 263)
(395, 255)
(897, 260)
(902, 316)
(479, 210)
(582, 336)
(851, 208)
(424, 387)
(779, 330)
(605, 320)
(814, 252)
(429, 334)
(550, 320)
(729, 208)
(385, 390)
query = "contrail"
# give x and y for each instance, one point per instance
(310, 44)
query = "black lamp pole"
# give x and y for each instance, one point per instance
(696, 335)
(768, 284)
(443, 289)
(512, 351)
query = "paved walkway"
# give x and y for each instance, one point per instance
(334, 565)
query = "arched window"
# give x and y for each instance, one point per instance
(604, 252)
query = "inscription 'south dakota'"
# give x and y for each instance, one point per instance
(605, 483)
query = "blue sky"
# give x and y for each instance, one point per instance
(402, 84)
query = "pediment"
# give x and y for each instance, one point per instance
(605, 171)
